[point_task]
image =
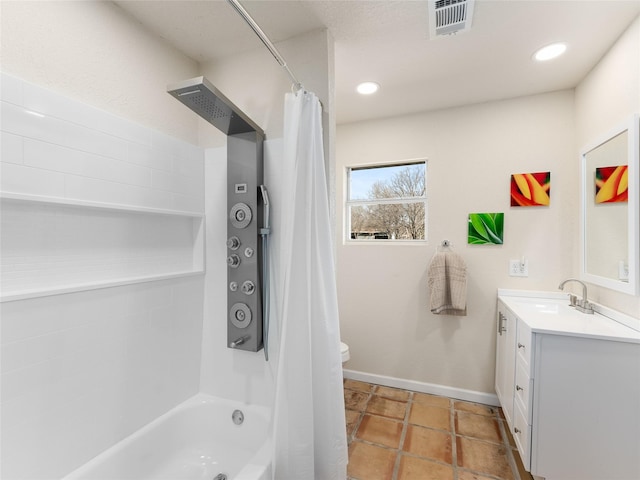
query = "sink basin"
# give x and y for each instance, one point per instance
(553, 315)
(544, 305)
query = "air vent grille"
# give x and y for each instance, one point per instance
(447, 17)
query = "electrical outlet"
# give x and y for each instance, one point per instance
(519, 268)
(623, 271)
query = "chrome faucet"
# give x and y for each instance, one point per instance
(581, 305)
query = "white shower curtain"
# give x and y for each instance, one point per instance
(309, 419)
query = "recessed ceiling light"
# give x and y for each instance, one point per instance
(367, 88)
(550, 52)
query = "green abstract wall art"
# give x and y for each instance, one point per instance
(486, 228)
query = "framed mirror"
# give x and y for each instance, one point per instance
(610, 210)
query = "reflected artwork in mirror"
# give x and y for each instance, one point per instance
(609, 216)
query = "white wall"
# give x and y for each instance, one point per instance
(82, 370)
(471, 153)
(93, 52)
(607, 97)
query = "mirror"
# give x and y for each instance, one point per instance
(609, 220)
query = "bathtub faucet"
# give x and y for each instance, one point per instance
(239, 341)
(581, 305)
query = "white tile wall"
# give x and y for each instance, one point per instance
(48, 156)
(47, 246)
(12, 149)
(81, 371)
(47, 138)
(34, 181)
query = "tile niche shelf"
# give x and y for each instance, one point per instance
(54, 246)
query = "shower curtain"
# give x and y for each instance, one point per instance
(309, 419)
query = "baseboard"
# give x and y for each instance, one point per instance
(433, 389)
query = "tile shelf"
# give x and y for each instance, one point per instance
(82, 287)
(191, 246)
(70, 202)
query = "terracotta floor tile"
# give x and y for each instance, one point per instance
(478, 426)
(412, 468)
(380, 430)
(483, 457)
(433, 400)
(426, 442)
(428, 416)
(386, 407)
(352, 419)
(510, 440)
(368, 462)
(476, 408)
(524, 475)
(355, 400)
(376, 417)
(356, 385)
(465, 475)
(392, 393)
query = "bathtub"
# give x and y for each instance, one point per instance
(195, 440)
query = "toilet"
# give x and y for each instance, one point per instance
(344, 351)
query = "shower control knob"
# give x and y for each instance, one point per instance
(233, 261)
(233, 286)
(248, 252)
(233, 243)
(248, 287)
(240, 215)
(240, 315)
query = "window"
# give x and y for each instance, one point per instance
(387, 202)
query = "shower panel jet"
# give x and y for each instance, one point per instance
(248, 212)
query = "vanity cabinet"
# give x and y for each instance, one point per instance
(570, 393)
(505, 361)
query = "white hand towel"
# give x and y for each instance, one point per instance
(448, 284)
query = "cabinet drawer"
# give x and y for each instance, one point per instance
(523, 390)
(522, 436)
(524, 343)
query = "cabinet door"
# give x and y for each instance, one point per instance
(505, 360)
(586, 409)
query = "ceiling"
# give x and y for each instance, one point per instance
(388, 41)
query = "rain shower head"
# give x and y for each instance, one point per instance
(207, 101)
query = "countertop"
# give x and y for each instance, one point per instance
(550, 313)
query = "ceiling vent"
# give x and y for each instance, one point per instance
(448, 17)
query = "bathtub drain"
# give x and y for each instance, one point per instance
(237, 417)
(220, 476)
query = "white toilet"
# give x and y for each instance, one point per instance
(344, 351)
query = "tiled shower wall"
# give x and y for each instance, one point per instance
(80, 371)
(55, 146)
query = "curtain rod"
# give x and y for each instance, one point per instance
(265, 40)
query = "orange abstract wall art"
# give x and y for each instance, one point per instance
(612, 184)
(531, 189)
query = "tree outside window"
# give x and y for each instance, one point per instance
(387, 202)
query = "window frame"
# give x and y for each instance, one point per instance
(348, 203)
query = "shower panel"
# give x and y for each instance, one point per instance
(247, 208)
(244, 272)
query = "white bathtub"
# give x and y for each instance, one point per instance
(195, 440)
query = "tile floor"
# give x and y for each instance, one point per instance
(402, 435)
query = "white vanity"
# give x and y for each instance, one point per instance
(569, 386)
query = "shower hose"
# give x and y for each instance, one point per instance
(264, 233)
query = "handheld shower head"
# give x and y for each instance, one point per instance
(207, 101)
